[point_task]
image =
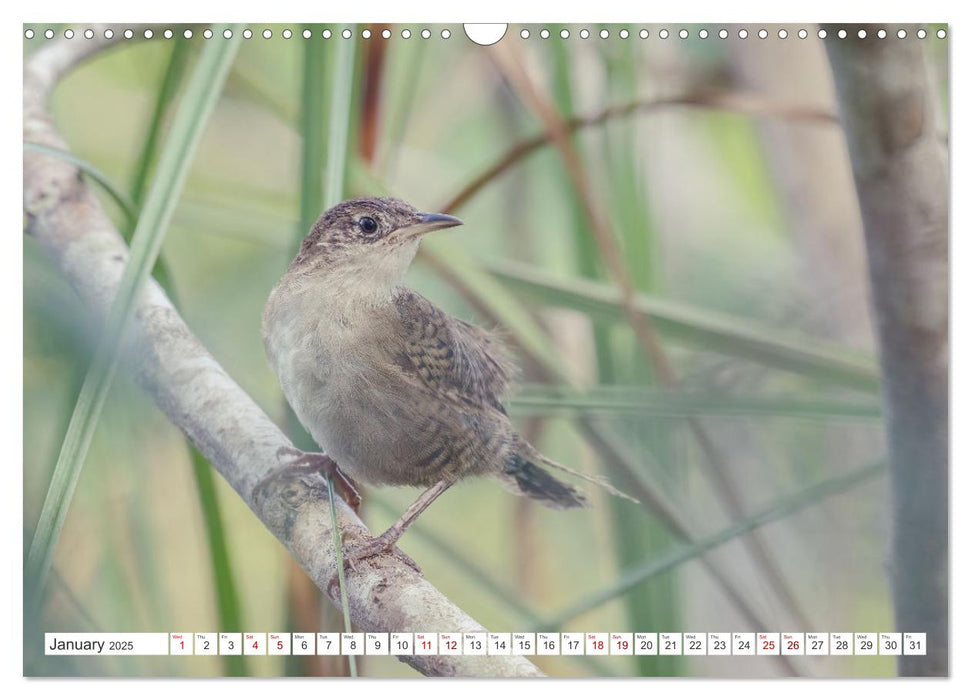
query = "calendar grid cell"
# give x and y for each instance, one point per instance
(426, 644)
(500, 644)
(254, 644)
(817, 644)
(475, 643)
(669, 643)
(303, 644)
(180, 644)
(377, 644)
(548, 643)
(278, 644)
(205, 644)
(719, 644)
(230, 643)
(402, 643)
(450, 644)
(695, 643)
(645, 643)
(572, 644)
(328, 644)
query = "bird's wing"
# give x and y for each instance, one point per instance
(454, 360)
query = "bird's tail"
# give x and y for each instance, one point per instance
(524, 476)
(598, 480)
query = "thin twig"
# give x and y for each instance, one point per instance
(757, 106)
(341, 582)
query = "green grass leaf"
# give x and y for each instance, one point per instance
(707, 329)
(227, 598)
(548, 400)
(341, 108)
(228, 608)
(684, 553)
(166, 93)
(190, 120)
(313, 124)
(406, 61)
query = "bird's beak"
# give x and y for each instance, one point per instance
(433, 222)
(425, 223)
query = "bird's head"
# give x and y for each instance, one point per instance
(373, 238)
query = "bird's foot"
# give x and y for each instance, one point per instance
(375, 546)
(317, 463)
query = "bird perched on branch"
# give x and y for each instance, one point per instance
(394, 390)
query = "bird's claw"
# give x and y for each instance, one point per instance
(317, 463)
(372, 547)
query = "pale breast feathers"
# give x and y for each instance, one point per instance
(452, 359)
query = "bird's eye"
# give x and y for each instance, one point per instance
(367, 224)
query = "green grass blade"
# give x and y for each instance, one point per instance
(542, 399)
(400, 112)
(787, 506)
(341, 108)
(656, 607)
(228, 607)
(483, 579)
(477, 575)
(190, 120)
(339, 552)
(708, 329)
(226, 596)
(127, 206)
(227, 599)
(313, 123)
(658, 604)
(166, 93)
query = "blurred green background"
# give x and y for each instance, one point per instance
(733, 212)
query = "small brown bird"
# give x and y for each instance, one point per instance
(394, 390)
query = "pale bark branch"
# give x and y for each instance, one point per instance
(900, 168)
(197, 395)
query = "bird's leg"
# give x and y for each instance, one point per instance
(317, 463)
(386, 541)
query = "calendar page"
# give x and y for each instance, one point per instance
(582, 350)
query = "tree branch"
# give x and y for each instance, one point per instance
(755, 105)
(197, 395)
(900, 168)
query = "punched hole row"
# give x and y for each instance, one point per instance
(524, 33)
(246, 33)
(725, 33)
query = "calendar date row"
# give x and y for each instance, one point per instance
(490, 644)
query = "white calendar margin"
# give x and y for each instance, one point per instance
(701, 11)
